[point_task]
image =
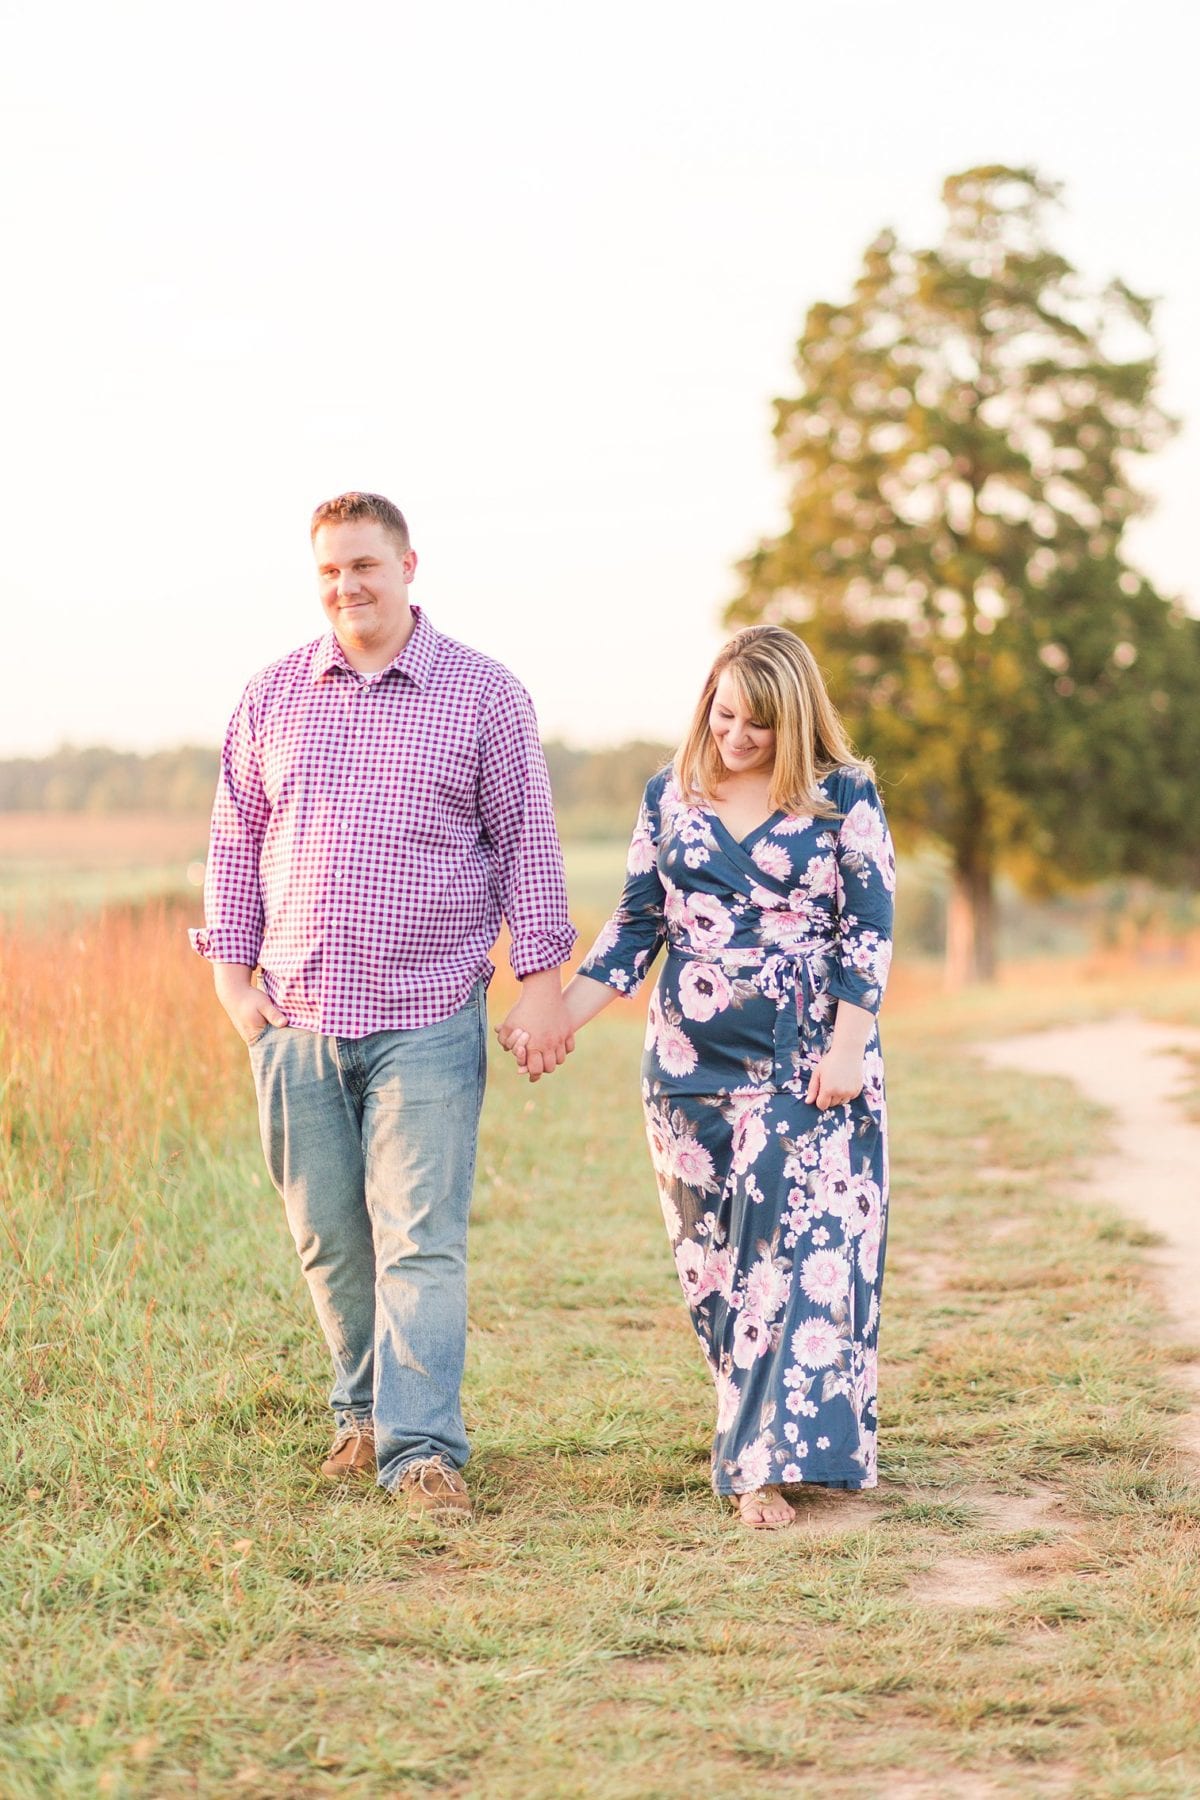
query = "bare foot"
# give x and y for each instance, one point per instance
(764, 1510)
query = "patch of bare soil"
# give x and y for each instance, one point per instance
(1000, 1229)
(1049, 1781)
(821, 1514)
(971, 1581)
(1039, 1510)
(1140, 1070)
(928, 1272)
(989, 1579)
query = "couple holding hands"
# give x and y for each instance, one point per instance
(382, 803)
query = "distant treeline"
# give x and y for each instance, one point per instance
(596, 792)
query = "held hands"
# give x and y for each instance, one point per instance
(537, 1030)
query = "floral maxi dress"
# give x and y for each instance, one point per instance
(776, 1211)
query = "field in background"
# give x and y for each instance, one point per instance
(184, 1608)
(58, 860)
(53, 863)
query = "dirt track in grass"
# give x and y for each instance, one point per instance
(1139, 1069)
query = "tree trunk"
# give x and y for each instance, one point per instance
(971, 927)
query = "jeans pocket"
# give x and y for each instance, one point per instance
(258, 1036)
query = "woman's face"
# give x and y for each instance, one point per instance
(746, 745)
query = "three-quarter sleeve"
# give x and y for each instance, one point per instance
(628, 943)
(233, 905)
(517, 816)
(866, 886)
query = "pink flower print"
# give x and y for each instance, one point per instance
(610, 931)
(865, 1210)
(832, 1186)
(835, 1152)
(751, 1339)
(767, 1288)
(820, 877)
(868, 1253)
(873, 1079)
(642, 853)
(754, 1465)
(676, 1051)
(772, 859)
(662, 1144)
(707, 923)
(793, 825)
(864, 834)
(822, 1443)
(785, 927)
(817, 1343)
(728, 1401)
(674, 903)
(861, 830)
(866, 1384)
(704, 990)
(689, 1263)
(749, 1133)
(793, 1475)
(692, 1164)
(670, 1211)
(720, 1271)
(825, 1278)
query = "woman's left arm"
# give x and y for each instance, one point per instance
(866, 886)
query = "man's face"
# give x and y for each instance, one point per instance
(363, 576)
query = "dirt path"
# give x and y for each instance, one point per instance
(1136, 1068)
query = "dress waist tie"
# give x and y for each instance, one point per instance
(782, 975)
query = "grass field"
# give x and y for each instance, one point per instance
(184, 1609)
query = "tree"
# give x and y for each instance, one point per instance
(959, 456)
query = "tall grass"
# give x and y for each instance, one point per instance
(185, 1608)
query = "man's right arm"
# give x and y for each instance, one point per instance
(231, 937)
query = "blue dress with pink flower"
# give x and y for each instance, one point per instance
(776, 1211)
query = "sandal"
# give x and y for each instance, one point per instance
(745, 1505)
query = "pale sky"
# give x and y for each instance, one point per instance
(535, 271)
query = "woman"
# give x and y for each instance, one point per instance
(762, 859)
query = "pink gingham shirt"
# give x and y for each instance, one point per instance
(368, 834)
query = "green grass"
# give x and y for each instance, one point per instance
(186, 1609)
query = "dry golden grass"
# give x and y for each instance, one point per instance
(183, 1609)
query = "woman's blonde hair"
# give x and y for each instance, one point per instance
(781, 686)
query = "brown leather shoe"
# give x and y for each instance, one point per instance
(435, 1490)
(353, 1452)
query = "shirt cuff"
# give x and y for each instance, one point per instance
(226, 944)
(535, 951)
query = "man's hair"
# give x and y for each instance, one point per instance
(353, 505)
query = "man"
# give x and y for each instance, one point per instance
(382, 801)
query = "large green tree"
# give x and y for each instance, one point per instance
(960, 451)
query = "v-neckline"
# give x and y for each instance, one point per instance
(746, 844)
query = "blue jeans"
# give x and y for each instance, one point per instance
(371, 1142)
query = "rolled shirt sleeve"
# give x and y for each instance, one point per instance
(233, 906)
(517, 816)
(866, 887)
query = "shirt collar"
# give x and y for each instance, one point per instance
(415, 661)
